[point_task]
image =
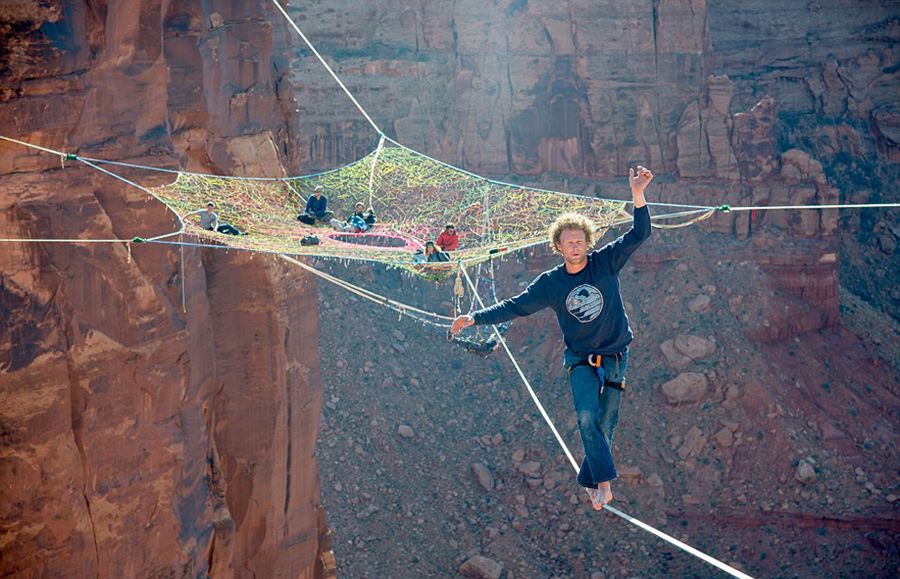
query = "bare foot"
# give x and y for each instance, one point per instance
(601, 495)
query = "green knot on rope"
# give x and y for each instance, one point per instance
(138, 240)
(724, 208)
(71, 157)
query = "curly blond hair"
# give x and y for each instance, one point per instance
(571, 221)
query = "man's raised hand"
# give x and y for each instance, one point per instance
(461, 322)
(639, 180)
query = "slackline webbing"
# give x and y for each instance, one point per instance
(93, 162)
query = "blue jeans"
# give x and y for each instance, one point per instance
(597, 408)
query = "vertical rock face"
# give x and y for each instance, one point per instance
(158, 410)
(586, 87)
(580, 87)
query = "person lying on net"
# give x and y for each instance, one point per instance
(359, 222)
(584, 293)
(316, 208)
(210, 221)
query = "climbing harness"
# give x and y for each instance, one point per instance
(595, 361)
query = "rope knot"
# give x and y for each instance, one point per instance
(458, 289)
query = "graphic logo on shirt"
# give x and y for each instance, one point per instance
(585, 303)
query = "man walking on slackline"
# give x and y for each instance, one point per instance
(584, 293)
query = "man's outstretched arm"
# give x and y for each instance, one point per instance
(531, 300)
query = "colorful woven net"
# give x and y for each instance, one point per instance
(412, 195)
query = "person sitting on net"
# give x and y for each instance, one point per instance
(448, 240)
(434, 254)
(359, 222)
(210, 221)
(316, 208)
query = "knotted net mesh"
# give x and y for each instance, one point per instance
(413, 196)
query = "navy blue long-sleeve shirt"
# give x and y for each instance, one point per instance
(588, 304)
(316, 206)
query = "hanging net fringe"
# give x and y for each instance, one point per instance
(413, 196)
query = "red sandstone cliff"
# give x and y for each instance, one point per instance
(142, 436)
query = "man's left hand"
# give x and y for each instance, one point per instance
(639, 180)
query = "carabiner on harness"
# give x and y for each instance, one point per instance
(596, 362)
